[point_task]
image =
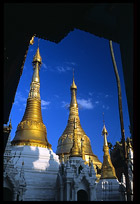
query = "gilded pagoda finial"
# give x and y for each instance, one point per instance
(35, 84)
(73, 74)
(37, 58)
(73, 86)
(104, 132)
(31, 130)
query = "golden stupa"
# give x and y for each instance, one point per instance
(65, 142)
(107, 170)
(31, 130)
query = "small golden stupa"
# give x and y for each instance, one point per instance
(107, 170)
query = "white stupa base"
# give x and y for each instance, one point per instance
(108, 190)
(39, 168)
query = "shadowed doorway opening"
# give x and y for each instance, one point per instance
(7, 194)
(82, 195)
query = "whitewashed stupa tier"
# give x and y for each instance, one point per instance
(39, 168)
(108, 190)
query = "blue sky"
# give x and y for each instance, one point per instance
(90, 57)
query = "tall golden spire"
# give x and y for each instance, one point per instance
(31, 130)
(73, 104)
(65, 142)
(107, 171)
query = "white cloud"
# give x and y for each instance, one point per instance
(20, 101)
(57, 96)
(71, 63)
(105, 107)
(60, 69)
(91, 93)
(86, 104)
(19, 98)
(65, 104)
(44, 65)
(68, 68)
(63, 69)
(43, 107)
(96, 102)
(65, 66)
(44, 104)
(106, 96)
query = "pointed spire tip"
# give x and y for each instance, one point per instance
(37, 57)
(103, 119)
(73, 86)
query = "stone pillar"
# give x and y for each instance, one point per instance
(61, 192)
(92, 195)
(68, 191)
(75, 192)
(14, 194)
